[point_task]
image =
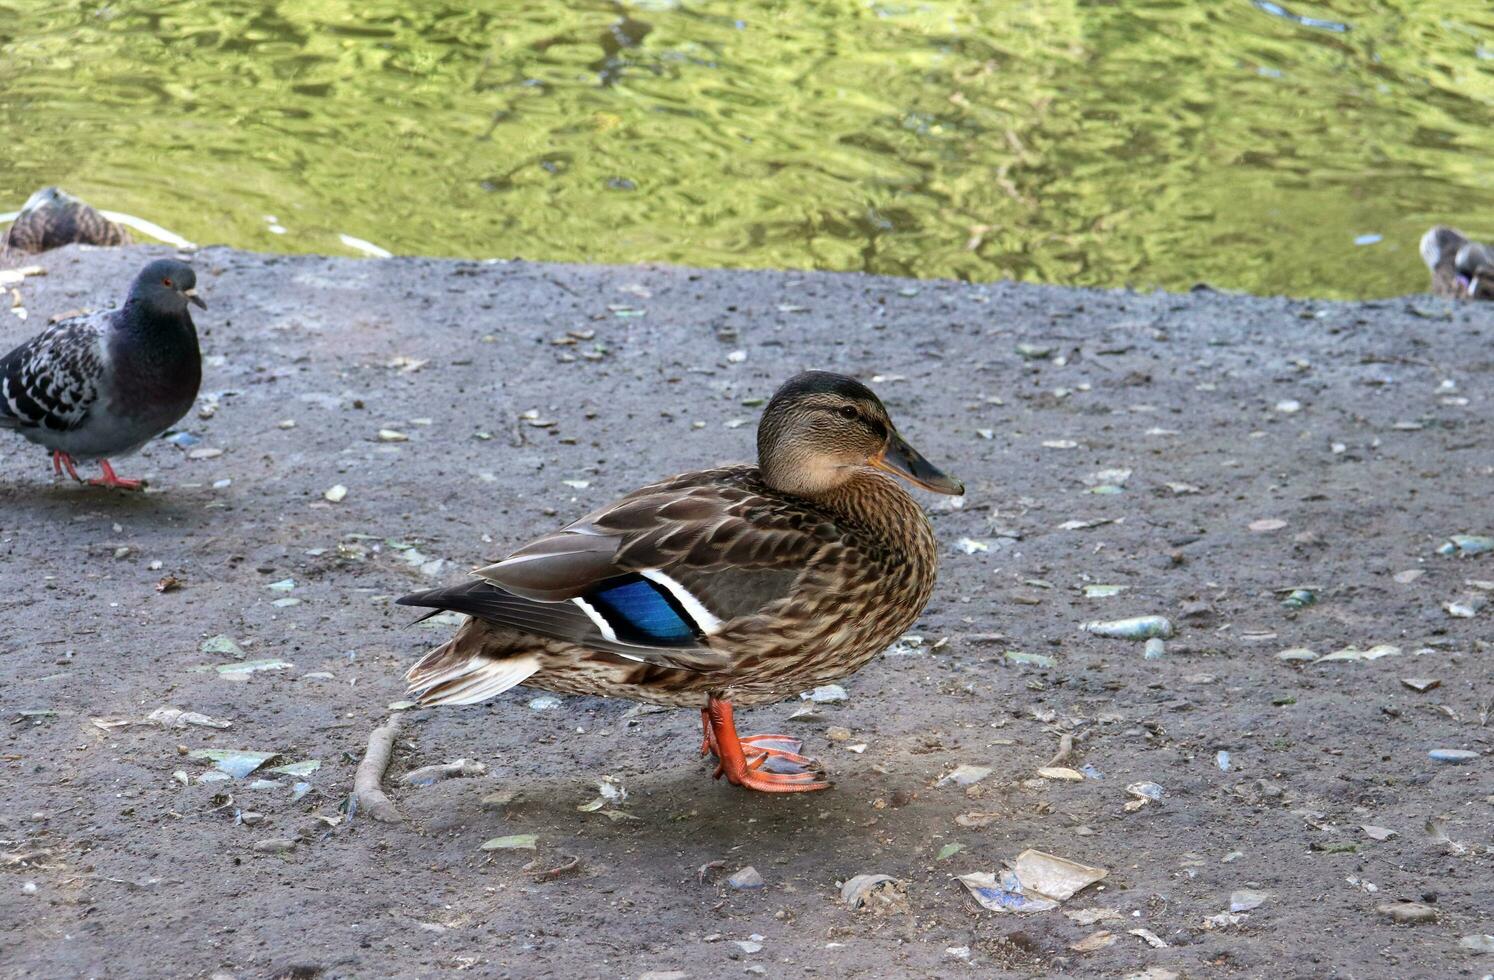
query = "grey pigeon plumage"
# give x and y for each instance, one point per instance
(52, 218)
(104, 384)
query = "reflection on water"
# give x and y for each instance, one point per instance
(1248, 144)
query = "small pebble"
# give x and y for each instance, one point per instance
(1408, 913)
(746, 879)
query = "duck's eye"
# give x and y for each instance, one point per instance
(849, 413)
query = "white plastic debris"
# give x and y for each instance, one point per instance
(1034, 882)
(1136, 628)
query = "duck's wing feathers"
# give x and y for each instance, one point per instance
(52, 218)
(53, 380)
(1475, 263)
(654, 576)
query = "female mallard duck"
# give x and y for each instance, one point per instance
(1461, 269)
(744, 584)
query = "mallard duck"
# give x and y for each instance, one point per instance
(1461, 269)
(52, 218)
(742, 585)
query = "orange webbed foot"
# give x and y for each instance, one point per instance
(774, 765)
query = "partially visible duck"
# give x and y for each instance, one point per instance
(52, 218)
(742, 585)
(1461, 269)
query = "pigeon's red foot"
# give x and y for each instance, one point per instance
(61, 461)
(774, 766)
(110, 479)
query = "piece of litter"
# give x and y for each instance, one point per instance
(1452, 755)
(1467, 545)
(336, 494)
(238, 763)
(964, 776)
(1150, 938)
(1061, 773)
(1034, 882)
(1267, 524)
(177, 718)
(1377, 833)
(511, 842)
(864, 889)
(827, 694)
(1355, 654)
(1136, 628)
(1421, 685)
(970, 546)
(1244, 900)
(223, 645)
(249, 667)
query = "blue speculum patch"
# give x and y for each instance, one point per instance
(640, 611)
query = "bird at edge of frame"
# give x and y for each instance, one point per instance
(101, 385)
(1461, 268)
(52, 218)
(737, 586)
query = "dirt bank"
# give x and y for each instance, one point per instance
(1272, 445)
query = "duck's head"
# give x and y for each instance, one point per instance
(1439, 246)
(166, 286)
(821, 428)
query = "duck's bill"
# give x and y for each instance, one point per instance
(901, 459)
(196, 300)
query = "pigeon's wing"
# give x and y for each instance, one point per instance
(52, 381)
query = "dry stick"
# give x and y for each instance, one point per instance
(367, 789)
(1065, 749)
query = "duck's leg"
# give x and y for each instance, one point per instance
(774, 765)
(61, 461)
(109, 479)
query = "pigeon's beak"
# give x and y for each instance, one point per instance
(901, 459)
(193, 298)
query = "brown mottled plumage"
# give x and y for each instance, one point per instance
(745, 584)
(1461, 269)
(52, 218)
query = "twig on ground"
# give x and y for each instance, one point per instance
(368, 791)
(427, 775)
(1065, 749)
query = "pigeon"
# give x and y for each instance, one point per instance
(1461, 269)
(104, 384)
(52, 218)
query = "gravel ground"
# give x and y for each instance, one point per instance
(1271, 445)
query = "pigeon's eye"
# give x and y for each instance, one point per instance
(848, 413)
(165, 282)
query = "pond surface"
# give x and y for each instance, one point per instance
(1294, 148)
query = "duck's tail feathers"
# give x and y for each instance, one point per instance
(458, 672)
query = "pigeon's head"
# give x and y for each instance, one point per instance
(166, 286)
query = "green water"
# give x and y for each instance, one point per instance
(1098, 143)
